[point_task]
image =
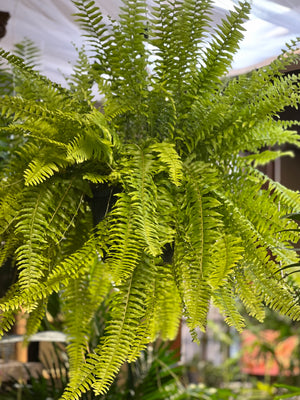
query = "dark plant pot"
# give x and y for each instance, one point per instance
(168, 252)
(8, 276)
(103, 200)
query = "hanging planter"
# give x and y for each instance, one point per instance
(102, 200)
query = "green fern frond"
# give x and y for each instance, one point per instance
(239, 123)
(115, 110)
(128, 52)
(162, 114)
(170, 140)
(29, 73)
(34, 319)
(144, 332)
(269, 102)
(219, 54)
(280, 299)
(261, 269)
(10, 206)
(227, 251)
(6, 79)
(7, 321)
(268, 202)
(87, 295)
(199, 230)
(249, 296)
(113, 61)
(28, 52)
(166, 208)
(91, 20)
(267, 156)
(76, 326)
(81, 80)
(95, 178)
(125, 250)
(100, 282)
(168, 155)
(31, 226)
(162, 307)
(7, 248)
(167, 306)
(30, 55)
(89, 146)
(72, 267)
(21, 108)
(178, 31)
(38, 172)
(142, 190)
(96, 118)
(40, 227)
(224, 298)
(287, 57)
(289, 199)
(129, 303)
(128, 310)
(63, 274)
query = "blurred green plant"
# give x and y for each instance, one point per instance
(288, 392)
(156, 375)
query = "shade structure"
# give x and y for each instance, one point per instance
(50, 24)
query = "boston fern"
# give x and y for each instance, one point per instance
(150, 199)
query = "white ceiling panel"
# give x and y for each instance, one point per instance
(51, 25)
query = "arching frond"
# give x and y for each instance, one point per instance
(91, 20)
(81, 80)
(267, 156)
(142, 191)
(227, 252)
(34, 319)
(167, 305)
(87, 295)
(169, 156)
(178, 32)
(219, 54)
(32, 226)
(225, 300)
(28, 72)
(127, 310)
(249, 296)
(125, 250)
(28, 52)
(199, 225)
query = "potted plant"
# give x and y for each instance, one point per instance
(187, 219)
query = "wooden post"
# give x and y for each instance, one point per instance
(176, 343)
(20, 329)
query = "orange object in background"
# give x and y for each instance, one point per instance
(20, 329)
(265, 354)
